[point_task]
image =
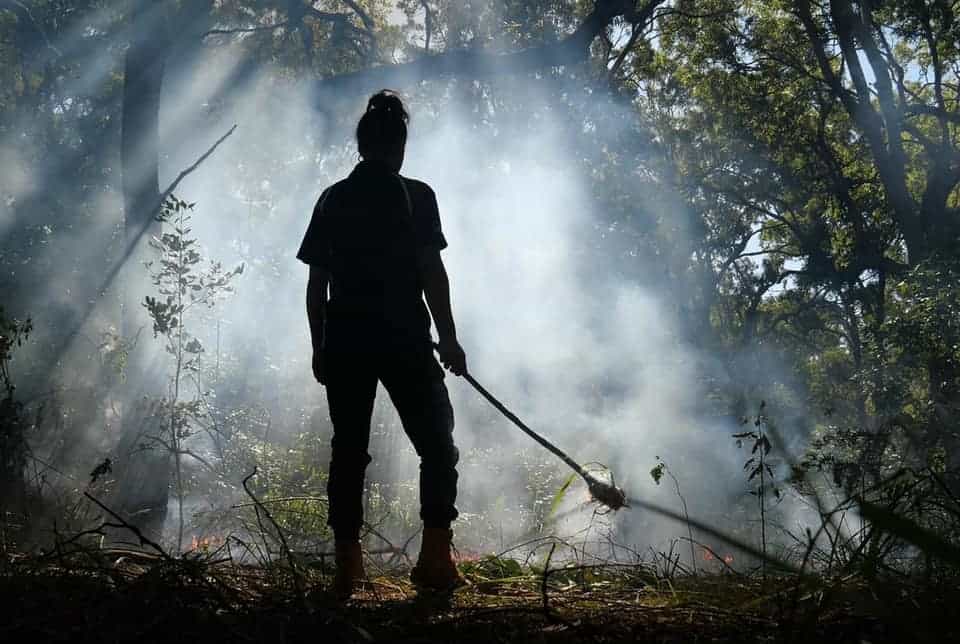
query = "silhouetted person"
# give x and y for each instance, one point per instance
(375, 241)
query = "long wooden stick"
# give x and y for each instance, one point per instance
(606, 493)
(559, 453)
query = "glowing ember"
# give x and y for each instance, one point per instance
(466, 556)
(206, 543)
(709, 556)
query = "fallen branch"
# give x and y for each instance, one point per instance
(144, 540)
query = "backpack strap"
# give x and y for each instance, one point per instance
(406, 195)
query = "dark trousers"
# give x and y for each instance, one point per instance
(414, 380)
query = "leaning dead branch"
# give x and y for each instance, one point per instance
(132, 243)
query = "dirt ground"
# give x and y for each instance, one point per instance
(140, 599)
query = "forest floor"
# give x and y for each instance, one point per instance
(138, 598)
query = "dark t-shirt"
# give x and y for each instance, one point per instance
(367, 231)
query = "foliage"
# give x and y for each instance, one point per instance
(183, 284)
(758, 467)
(923, 324)
(784, 172)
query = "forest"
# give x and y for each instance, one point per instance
(709, 250)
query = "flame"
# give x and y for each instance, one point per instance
(466, 556)
(206, 543)
(709, 556)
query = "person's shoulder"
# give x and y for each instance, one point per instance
(334, 186)
(419, 189)
(324, 198)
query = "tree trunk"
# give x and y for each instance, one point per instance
(140, 118)
(143, 474)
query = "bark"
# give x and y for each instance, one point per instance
(144, 475)
(880, 129)
(140, 117)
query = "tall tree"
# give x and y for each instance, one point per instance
(823, 137)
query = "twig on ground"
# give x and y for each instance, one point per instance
(285, 499)
(294, 570)
(144, 540)
(406, 544)
(543, 584)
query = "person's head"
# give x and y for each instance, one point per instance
(382, 130)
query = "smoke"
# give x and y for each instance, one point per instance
(593, 359)
(586, 356)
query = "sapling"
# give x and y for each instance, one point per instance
(657, 474)
(184, 281)
(758, 467)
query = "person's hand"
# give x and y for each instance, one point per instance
(452, 356)
(319, 369)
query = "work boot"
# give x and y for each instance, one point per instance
(435, 569)
(349, 568)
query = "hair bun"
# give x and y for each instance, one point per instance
(388, 102)
(383, 127)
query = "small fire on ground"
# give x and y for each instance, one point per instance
(708, 555)
(206, 543)
(463, 555)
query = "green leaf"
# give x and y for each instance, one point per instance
(657, 472)
(558, 497)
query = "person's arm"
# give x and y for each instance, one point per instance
(317, 315)
(436, 289)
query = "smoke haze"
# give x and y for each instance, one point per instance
(593, 359)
